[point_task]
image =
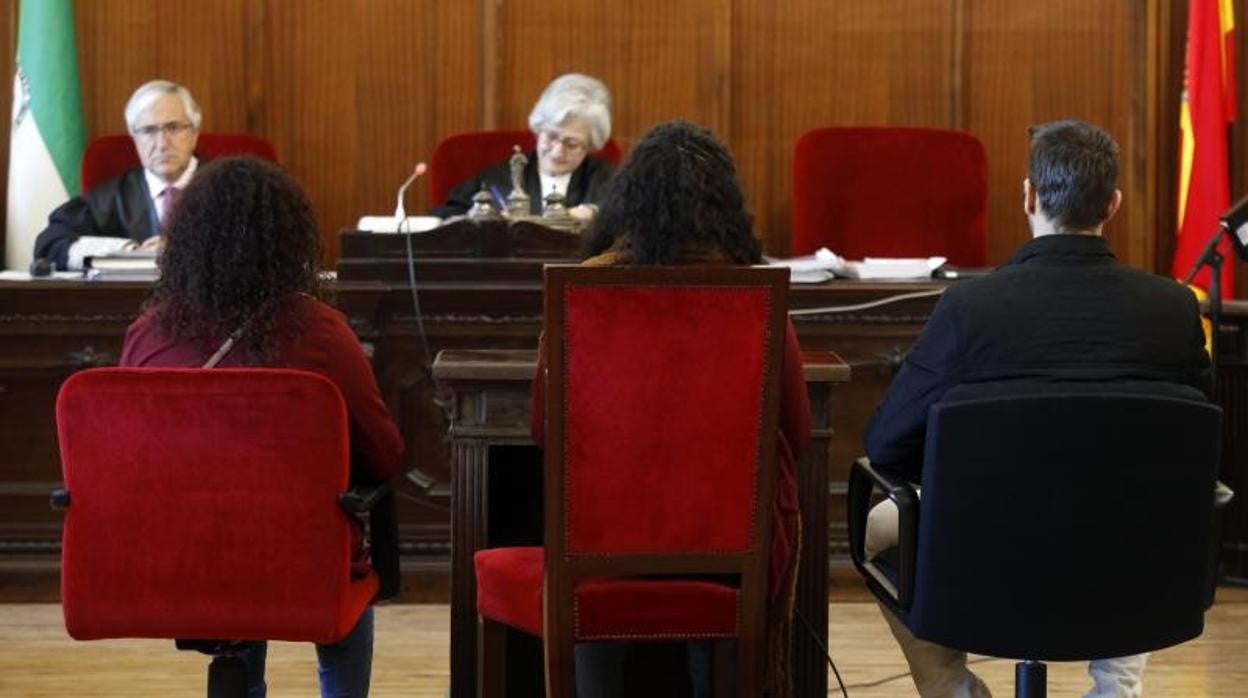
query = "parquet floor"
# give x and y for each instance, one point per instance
(38, 659)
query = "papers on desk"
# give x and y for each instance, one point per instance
(811, 269)
(129, 265)
(825, 264)
(892, 268)
(390, 224)
(16, 275)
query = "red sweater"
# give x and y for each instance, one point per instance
(326, 346)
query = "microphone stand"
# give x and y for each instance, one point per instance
(1212, 257)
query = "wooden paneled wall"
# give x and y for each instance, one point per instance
(352, 93)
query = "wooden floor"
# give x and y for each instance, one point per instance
(38, 659)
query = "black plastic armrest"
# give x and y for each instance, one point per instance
(59, 499)
(361, 499)
(383, 532)
(1222, 495)
(863, 481)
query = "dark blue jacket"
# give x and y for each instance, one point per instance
(1061, 309)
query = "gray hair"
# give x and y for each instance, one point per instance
(153, 90)
(575, 95)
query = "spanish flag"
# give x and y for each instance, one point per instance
(1207, 109)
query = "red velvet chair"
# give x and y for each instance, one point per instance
(204, 504)
(891, 192)
(661, 417)
(109, 156)
(463, 155)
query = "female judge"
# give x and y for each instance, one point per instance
(572, 121)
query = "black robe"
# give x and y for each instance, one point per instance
(587, 185)
(120, 208)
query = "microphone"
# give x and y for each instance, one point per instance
(400, 213)
(1235, 221)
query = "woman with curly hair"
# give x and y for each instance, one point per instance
(676, 201)
(239, 287)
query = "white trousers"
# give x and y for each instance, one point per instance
(941, 672)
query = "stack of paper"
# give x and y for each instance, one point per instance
(132, 265)
(810, 269)
(891, 268)
(391, 224)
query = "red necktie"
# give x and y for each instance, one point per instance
(168, 199)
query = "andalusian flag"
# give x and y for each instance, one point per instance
(45, 148)
(1208, 107)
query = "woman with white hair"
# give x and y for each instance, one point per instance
(571, 120)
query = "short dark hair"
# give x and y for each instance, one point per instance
(242, 243)
(677, 190)
(1074, 170)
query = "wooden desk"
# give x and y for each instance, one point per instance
(490, 419)
(49, 329)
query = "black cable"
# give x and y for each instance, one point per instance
(815, 636)
(416, 476)
(423, 501)
(420, 318)
(894, 677)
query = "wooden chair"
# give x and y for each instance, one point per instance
(206, 504)
(891, 192)
(661, 417)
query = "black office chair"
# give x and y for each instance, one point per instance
(1062, 524)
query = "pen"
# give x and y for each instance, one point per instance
(498, 196)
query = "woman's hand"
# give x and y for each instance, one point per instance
(583, 213)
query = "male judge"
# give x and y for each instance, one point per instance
(1061, 308)
(127, 213)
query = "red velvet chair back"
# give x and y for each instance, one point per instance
(108, 157)
(891, 192)
(463, 155)
(204, 504)
(661, 417)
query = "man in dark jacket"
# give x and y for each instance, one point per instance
(1061, 308)
(128, 212)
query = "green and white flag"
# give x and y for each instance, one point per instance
(47, 140)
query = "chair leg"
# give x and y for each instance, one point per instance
(1030, 679)
(560, 668)
(491, 659)
(227, 677)
(724, 672)
(749, 666)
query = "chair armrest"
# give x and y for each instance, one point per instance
(863, 480)
(59, 499)
(361, 499)
(383, 532)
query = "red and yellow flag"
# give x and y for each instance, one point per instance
(1208, 107)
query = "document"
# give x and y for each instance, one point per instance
(891, 268)
(824, 264)
(126, 265)
(810, 269)
(390, 224)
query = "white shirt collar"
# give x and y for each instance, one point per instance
(156, 185)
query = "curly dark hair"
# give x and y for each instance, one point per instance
(242, 243)
(677, 190)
